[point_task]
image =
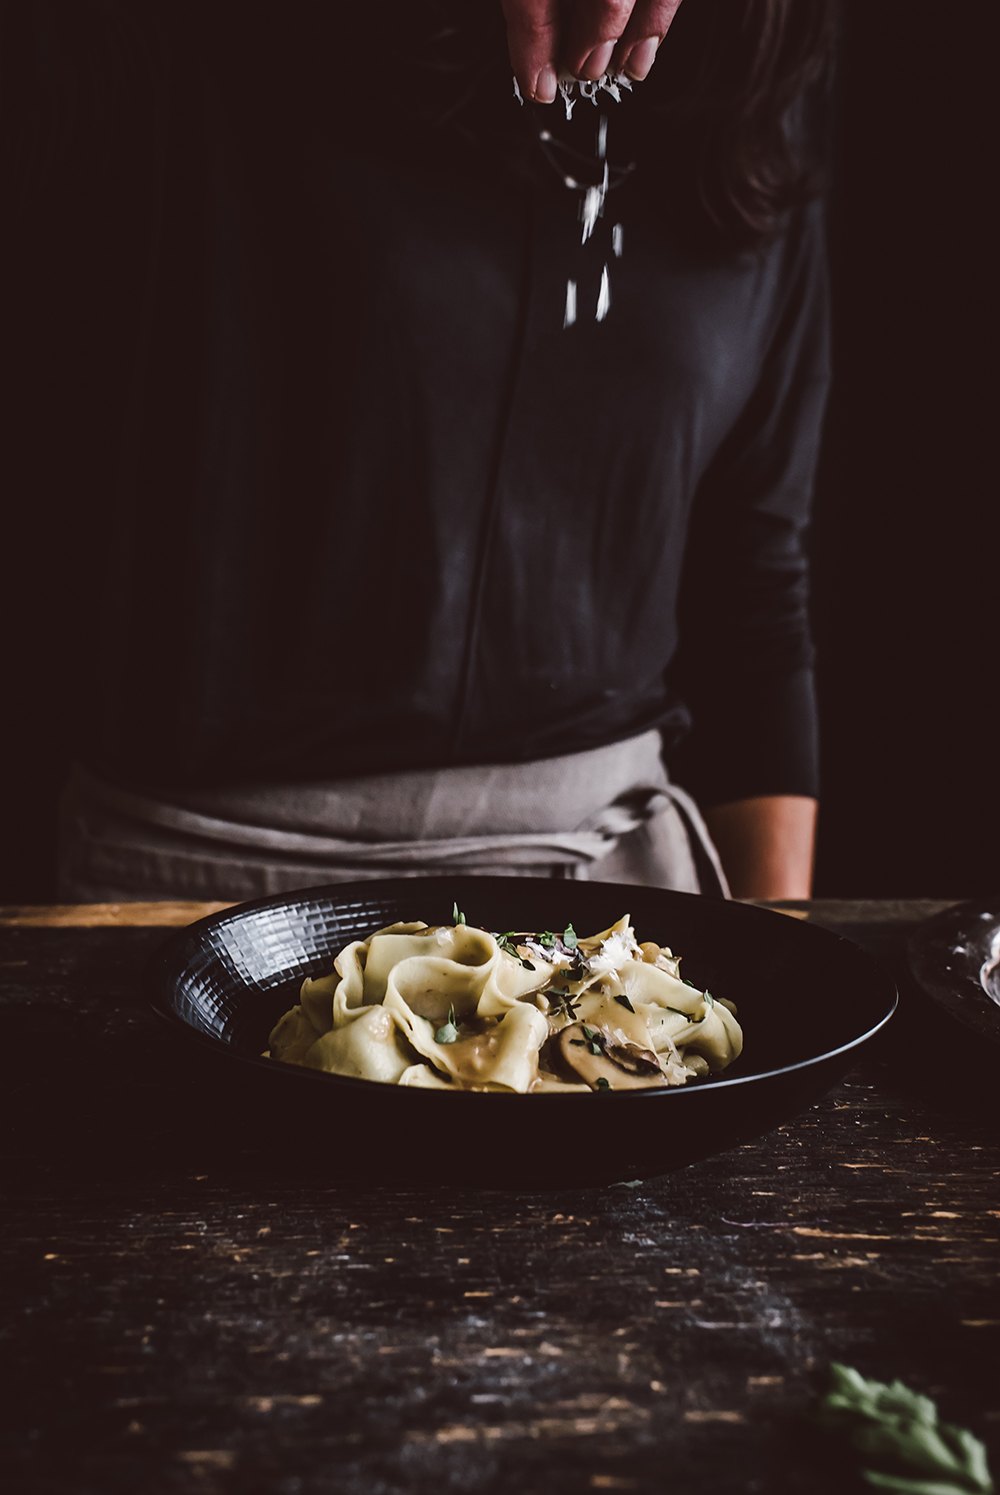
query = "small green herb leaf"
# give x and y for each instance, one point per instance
(623, 1001)
(569, 937)
(448, 1032)
(602, 1084)
(456, 917)
(593, 1039)
(688, 1015)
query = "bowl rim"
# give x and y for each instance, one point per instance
(154, 976)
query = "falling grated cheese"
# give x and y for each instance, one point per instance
(604, 296)
(592, 206)
(593, 199)
(589, 90)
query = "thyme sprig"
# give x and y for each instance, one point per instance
(563, 1001)
(593, 1040)
(548, 941)
(508, 946)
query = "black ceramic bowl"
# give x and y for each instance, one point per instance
(808, 1001)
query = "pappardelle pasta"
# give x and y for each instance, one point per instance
(450, 1007)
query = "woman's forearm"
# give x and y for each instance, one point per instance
(766, 844)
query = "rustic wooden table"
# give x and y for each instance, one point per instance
(186, 1313)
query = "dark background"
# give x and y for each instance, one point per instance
(907, 607)
(905, 544)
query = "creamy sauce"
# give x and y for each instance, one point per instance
(474, 1053)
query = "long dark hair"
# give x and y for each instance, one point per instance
(732, 114)
(740, 89)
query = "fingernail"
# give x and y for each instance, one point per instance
(598, 62)
(545, 86)
(641, 58)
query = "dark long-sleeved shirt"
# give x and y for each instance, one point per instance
(376, 506)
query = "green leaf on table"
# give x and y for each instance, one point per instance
(900, 1443)
(903, 1485)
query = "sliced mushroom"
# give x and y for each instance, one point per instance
(621, 1068)
(637, 1061)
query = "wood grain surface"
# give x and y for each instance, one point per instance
(187, 1312)
(168, 913)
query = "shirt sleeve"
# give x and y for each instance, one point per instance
(744, 664)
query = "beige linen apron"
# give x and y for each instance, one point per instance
(609, 814)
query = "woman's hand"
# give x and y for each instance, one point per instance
(590, 39)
